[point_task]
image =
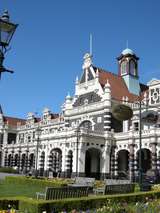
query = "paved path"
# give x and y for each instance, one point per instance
(3, 175)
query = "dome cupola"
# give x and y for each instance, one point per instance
(128, 63)
(128, 69)
(127, 51)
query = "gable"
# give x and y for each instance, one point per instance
(87, 98)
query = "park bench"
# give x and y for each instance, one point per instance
(119, 188)
(116, 181)
(55, 193)
(113, 186)
(84, 181)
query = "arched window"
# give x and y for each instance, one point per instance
(124, 67)
(86, 125)
(132, 68)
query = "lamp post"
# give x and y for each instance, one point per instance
(38, 133)
(7, 30)
(122, 112)
(148, 117)
(140, 143)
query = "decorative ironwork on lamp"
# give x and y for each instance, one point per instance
(7, 30)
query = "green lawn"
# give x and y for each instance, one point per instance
(14, 186)
(17, 189)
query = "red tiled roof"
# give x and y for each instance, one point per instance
(53, 116)
(118, 86)
(14, 121)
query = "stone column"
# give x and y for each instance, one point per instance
(12, 158)
(6, 158)
(105, 161)
(50, 159)
(26, 161)
(19, 160)
(68, 164)
(116, 165)
(112, 160)
(131, 161)
(107, 110)
(107, 120)
(154, 156)
(46, 162)
(136, 162)
(41, 163)
(64, 153)
(158, 161)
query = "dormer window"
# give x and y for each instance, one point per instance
(44, 117)
(124, 67)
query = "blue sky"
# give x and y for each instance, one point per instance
(52, 37)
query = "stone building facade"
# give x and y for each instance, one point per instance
(86, 139)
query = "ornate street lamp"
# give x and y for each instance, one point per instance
(7, 30)
(122, 112)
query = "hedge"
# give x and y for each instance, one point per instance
(8, 170)
(92, 202)
(33, 181)
(34, 206)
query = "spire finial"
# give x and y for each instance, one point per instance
(127, 44)
(87, 61)
(90, 44)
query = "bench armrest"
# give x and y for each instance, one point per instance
(100, 190)
(40, 195)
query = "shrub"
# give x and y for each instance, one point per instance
(8, 170)
(33, 181)
(92, 202)
(5, 202)
(85, 203)
(99, 183)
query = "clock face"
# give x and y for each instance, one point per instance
(123, 67)
(132, 68)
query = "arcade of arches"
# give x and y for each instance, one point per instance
(126, 162)
(123, 162)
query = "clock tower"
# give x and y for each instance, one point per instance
(128, 69)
